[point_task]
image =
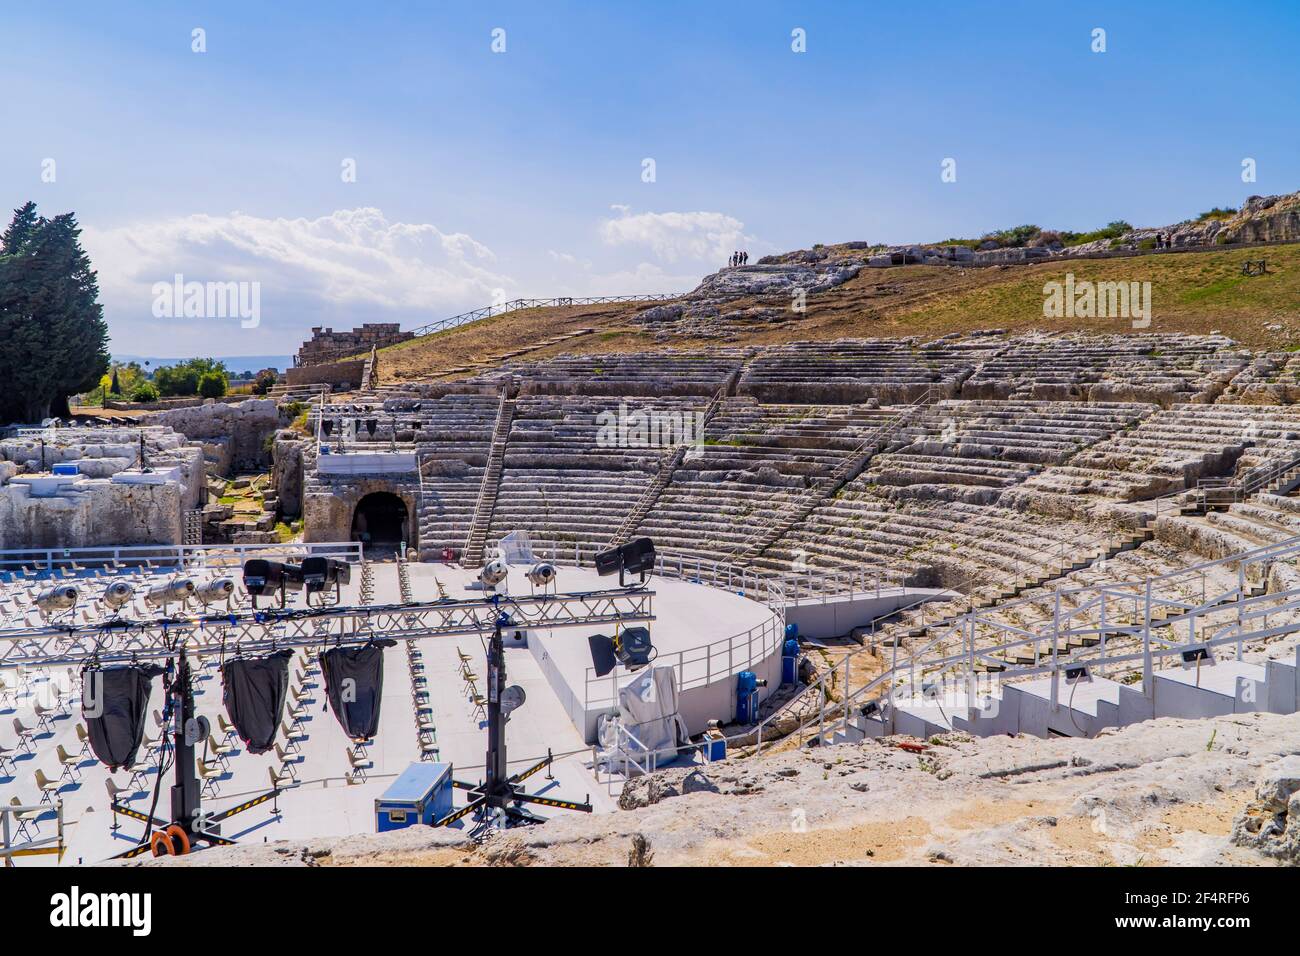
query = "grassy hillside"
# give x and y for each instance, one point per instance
(1196, 292)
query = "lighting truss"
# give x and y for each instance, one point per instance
(116, 640)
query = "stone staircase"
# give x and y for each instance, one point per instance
(472, 556)
(670, 464)
(799, 508)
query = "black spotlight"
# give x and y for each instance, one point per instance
(632, 649)
(319, 573)
(635, 557)
(264, 578)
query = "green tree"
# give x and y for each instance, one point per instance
(53, 338)
(213, 384)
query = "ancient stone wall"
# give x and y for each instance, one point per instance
(325, 345)
(339, 375)
(234, 437)
(92, 513)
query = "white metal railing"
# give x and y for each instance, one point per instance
(1112, 626)
(777, 589)
(697, 666)
(620, 754)
(11, 825)
(168, 555)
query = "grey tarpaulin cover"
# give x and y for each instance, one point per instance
(254, 689)
(647, 709)
(113, 703)
(354, 683)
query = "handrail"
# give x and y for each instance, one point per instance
(791, 509)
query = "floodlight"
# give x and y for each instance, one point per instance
(214, 591)
(177, 589)
(58, 598)
(1198, 656)
(1077, 674)
(494, 572)
(631, 648)
(318, 573)
(635, 557)
(541, 575)
(263, 577)
(118, 594)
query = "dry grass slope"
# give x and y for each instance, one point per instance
(1195, 292)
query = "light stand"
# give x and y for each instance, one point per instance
(497, 798)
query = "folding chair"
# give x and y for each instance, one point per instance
(47, 786)
(223, 752)
(226, 727)
(83, 735)
(25, 817)
(7, 757)
(69, 763)
(44, 717)
(139, 771)
(288, 761)
(210, 773)
(25, 735)
(292, 737)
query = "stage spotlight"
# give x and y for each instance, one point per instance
(177, 589)
(631, 648)
(540, 575)
(118, 594)
(264, 578)
(493, 573)
(215, 591)
(318, 573)
(58, 598)
(635, 557)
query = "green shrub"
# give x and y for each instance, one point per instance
(1112, 230)
(265, 379)
(213, 384)
(144, 392)
(1147, 244)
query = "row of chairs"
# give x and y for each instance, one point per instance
(477, 700)
(425, 731)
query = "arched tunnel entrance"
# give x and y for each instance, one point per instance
(381, 520)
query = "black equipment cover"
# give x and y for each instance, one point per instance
(253, 692)
(113, 703)
(354, 683)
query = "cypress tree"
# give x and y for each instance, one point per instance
(53, 338)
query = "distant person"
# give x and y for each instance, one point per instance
(1160, 240)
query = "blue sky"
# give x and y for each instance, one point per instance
(520, 173)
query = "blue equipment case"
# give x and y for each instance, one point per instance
(422, 794)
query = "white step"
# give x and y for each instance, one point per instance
(1226, 687)
(1079, 707)
(1283, 677)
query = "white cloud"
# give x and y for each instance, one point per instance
(704, 236)
(351, 262)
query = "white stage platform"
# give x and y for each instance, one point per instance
(705, 634)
